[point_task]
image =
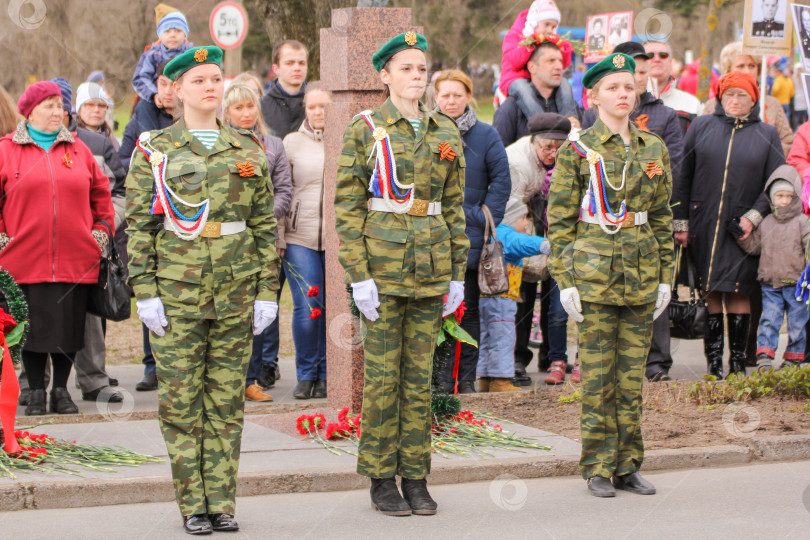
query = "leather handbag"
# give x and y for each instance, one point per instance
(110, 297)
(687, 318)
(493, 278)
(535, 268)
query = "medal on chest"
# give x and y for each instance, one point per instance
(384, 182)
(596, 197)
(163, 202)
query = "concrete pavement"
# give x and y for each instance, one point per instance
(756, 501)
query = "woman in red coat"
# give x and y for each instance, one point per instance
(52, 196)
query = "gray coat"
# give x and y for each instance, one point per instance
(781, 239)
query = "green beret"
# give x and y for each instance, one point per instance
(192, 57)
(613, 63)
(406, 40)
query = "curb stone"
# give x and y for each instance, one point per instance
(101, 492)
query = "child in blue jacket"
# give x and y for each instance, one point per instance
(496, 347)
(172, 29)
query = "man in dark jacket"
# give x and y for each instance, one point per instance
(283, 104)
(653, 116)
(545, 67)
(148, 116)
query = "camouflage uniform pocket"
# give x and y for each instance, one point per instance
(649, 263)
(440, 251)
(591, 261)
(441, 167)
(178, 283)
(385, 252)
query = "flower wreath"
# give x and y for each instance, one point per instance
(567, 47)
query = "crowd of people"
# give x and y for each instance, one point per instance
(606, 174)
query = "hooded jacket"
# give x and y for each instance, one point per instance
(781, 239)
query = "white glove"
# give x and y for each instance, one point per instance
(455, 296)
(264, 313)
(150, 312)
(366, 299)
(664, 296)
(545, 247)
(569, 298)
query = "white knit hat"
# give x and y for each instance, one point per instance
(515, 209)
(541, 10)
(780, 185)
(87, 91)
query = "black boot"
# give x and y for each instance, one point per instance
(738, 327)
(420, 501)
(61, 402)
(385, 497)
(713, 344)
(36, 403)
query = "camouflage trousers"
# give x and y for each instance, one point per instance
(201, 368)
(613, 346)
(398, 347)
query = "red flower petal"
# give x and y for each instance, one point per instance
(315, 313)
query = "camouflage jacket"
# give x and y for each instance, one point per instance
(205, 277)
(620, 269)
(406, 255)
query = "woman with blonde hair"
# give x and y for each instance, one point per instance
(251, 80)
(9, 118)
(487, 182)
(242, 110)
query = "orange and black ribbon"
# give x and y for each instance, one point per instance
(446, 152)
(245, 169)
(653, 169)
(641, 121)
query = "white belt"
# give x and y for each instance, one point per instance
(633, 218)
(213, 229)
(420, 207)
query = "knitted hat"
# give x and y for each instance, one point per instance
(192, 58)
(406, 40)
(89, 90)
(613, 63)
(738, 79)
(168, 17)
(96, 77)
(515, 209)
(67, 92)
(541, 10)
(780, 185)
(36, 94)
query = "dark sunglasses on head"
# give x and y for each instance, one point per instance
(662, 55)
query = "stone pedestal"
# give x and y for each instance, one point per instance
(346, 50)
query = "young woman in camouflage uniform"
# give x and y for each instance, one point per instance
(201, 243)
(401, 225)
(612, 256)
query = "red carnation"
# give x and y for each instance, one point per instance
(319, 420)
(313, 291)
(6, 321)
(330, 431)
(304, 424)
(315, 313)
(342, 414)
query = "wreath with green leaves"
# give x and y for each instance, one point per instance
(18, 308)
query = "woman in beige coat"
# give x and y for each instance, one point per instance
(304, 233)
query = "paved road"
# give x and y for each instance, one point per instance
(759, 501)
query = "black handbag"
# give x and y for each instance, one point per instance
(687, 318)
(110, 297)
